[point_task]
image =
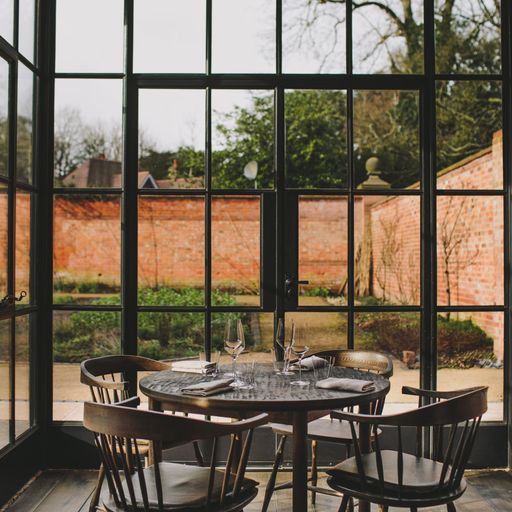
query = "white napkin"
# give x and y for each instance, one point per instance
(308, 363)
(208, 388)
(193, 366)
(355, 385)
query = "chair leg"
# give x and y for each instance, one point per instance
(97, 492)
(351, 505)
(314, 470)
(198, 453)
(344, 503)
(450, 507)
(269, 490)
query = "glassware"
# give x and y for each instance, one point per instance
(299, 350)
(280, 340)
(324, 371)
(234, 345)
(248, 375)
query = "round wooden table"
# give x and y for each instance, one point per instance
(274, 395)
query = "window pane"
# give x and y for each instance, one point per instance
(386, 128)
(469, 135)
(398, 335)
(4, 117)
(7, 20)
(470, 250)
(169, 37)
(88, 144)
(316, 139)
(243, 36)
(86, 249)
(468, 36)
(89, 36)
(23, 246)
(24, 149)
(236, 250)
(171, 138)
(27, 25)
(243, 139)
(258, 333)
(323, 250)
(77, 336)
(170, 335)
(313, 37)
(387, 250)
(4, 238)
(5, 389)
(22, 368)
(388, 37)
(171, 251)
(470, 352)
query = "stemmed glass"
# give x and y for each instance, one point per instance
(299, 350)
(286, 347)
(234, 345)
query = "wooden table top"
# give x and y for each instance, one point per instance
(271, 392)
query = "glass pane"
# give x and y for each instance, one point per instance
(313, 37)
(398, 335)
(323, 250)
(170, 335)
(243, 38)
(23, 246)
(470, 350)
(22, 372)
(469, 135)
(89, 36)
(4, 238)
(5, 389)
(316, 138)
(468, 36)
(27, 26)
(388, 37)
(387, 250)
(79, 335)
(4, 117)
(171, 251)
(243, 139)
(236, 250)
(320, 331)
(470, 251)
(24, 149)
(7, 20)
(88, 142)
(386, 139)
(171, 138)
(169, 37)
(258, 332)
(86, 249)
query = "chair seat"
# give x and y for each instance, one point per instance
(183, 486)
(333, 431)
(420, 475)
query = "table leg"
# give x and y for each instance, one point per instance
(300, 461)
(155, 448)
(365, 445)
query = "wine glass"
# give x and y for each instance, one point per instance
(285, 345)
(299, 350)
(234, 345)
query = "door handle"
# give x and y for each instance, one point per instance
(291, 286)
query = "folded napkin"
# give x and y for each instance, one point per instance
(355, 385)
(308, 363)
(193, 366)
(208, 388)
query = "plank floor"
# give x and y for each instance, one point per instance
(69, 491)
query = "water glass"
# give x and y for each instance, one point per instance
(248, 375)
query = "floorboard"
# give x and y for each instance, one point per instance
(69, 491)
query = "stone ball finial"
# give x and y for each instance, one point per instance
(372, 165)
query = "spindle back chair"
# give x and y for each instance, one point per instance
(396, 478)
(163, 486)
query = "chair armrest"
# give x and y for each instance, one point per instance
(357, 418)
(429, 393)
(133, 402)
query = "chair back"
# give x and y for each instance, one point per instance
(461, 411)
(118, 431)
(110, 378)
(364, 360)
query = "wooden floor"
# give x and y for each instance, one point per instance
(69, 491)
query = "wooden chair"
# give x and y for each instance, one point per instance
(112, 379)
(328, 431)
(398, 479)
(164, 485)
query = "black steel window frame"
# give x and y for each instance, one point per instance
(10, 54)
(274, 262)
